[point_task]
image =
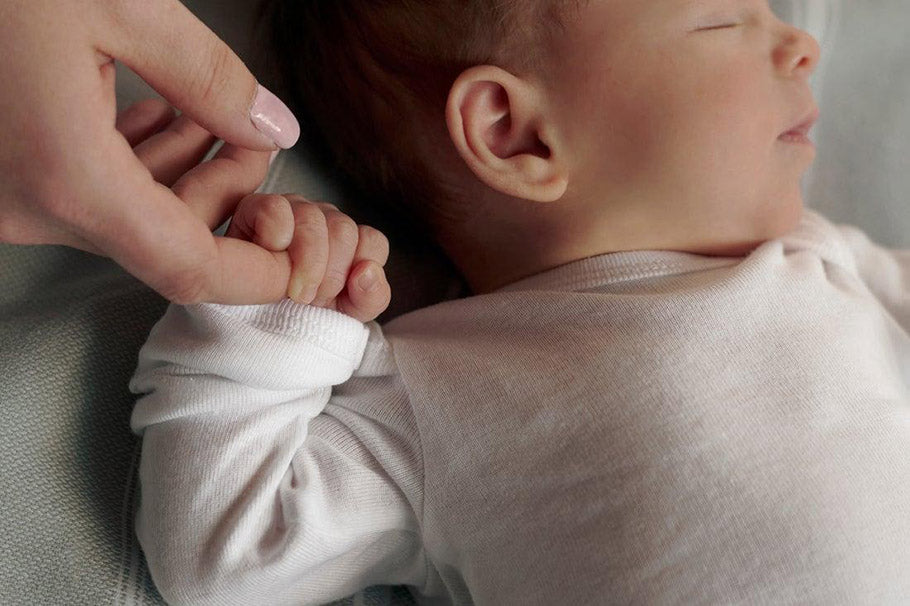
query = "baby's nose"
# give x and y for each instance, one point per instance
(798, 52)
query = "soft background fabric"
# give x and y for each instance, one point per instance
(71, 323)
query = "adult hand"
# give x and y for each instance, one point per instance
(68, 176)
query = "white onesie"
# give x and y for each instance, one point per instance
(642, 427)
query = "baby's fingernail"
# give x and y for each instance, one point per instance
(273, 119)
(368, 280)
(300, 292)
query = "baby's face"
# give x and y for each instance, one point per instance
(676, 111)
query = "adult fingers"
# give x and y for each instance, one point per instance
(174, 151)
(264, 219)
(172, 50)
(213, 189)
(141, 120)
(367, 294)
(343, 233)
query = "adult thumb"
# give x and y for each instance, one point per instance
(185, 62)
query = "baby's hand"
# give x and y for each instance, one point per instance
(336, 263)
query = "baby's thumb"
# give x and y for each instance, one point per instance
(367, 294)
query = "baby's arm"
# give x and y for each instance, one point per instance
(257, 485)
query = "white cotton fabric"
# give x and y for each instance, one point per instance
(645, 427)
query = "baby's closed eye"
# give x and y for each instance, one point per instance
(705, 19)
(716, 27)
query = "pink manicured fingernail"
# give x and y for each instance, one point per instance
(273, 119)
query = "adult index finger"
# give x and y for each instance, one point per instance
(182, 59)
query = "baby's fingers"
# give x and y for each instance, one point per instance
(343, 243)
(367, 294)
(264, 219)
(309, 251)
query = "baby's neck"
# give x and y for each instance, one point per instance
(488, 268)
(492, 252)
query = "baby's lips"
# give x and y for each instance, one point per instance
(805, 124)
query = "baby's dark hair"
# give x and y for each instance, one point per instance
(369, 80)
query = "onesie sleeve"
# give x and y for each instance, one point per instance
(258, 486)
(885, 271)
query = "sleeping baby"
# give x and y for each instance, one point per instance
(672, 383)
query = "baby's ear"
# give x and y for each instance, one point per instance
(500, 128)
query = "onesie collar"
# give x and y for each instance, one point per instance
(813, 233)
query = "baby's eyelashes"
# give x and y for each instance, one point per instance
(716, 27)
